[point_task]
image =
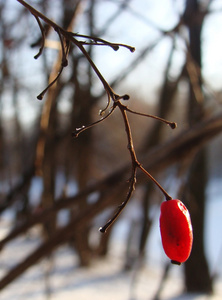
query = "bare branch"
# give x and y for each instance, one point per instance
(76, 133)
(102, 42)
(69, 36)
(43, 38)
(186, 144)
(173, 125)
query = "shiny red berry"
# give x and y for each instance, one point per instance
(176, 230)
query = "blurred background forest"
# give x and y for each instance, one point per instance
(57, 190)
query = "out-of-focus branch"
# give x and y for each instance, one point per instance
(181, 147)
(69, 37)
(186, 144)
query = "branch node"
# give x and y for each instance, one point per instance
(173, 125)
(102, 229)
(115, 47)
(40, 96)
(132, 49)
(125, 97)
(65, 62)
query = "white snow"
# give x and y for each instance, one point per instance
(60, 278)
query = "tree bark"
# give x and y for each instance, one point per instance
(197, 277)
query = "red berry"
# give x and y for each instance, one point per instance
(176, 230)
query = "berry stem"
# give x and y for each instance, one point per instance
(167, 196)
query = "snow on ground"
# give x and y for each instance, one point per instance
(103, 280)
(60, 278)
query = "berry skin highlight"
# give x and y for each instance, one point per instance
(176, 230)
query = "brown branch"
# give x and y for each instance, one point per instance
(167, 196)
(41, 95)
(76, 133)
(18, 188)
(120, 208)
(43, 38)
(69, 36)
(186, 144)
(61, 236)
(173, 125)
(111, 94)
(102, 42)
(134, 163)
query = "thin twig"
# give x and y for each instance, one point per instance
(184, 145)
(76, 133)
(123, 204)
(41, 95)
(167, 196)
(43, 38)
(135, 165)
(173, 125)
(99, 42)
(64, 52)
(134, 161)
(70, 37)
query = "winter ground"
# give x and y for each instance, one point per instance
(59, 278)
(104, 280)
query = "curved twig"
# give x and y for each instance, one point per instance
(43, 38)
(184, 145)
(102, 42)
(71, 37)
(41, 95)
(173, 125)
(76, 133)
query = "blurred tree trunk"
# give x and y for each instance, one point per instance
(83, 146)
(83, 159)
(197, 277)
(49, 125)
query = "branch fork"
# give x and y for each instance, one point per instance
(135, 163)
(66, 38)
